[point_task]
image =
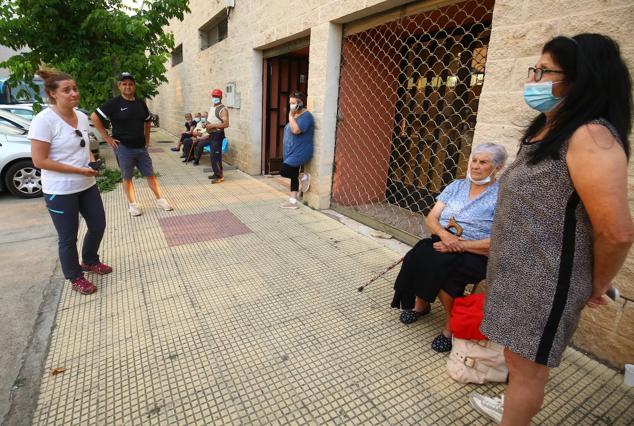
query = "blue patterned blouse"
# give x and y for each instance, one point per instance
(475, 216)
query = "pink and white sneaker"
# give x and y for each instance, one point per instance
(98, 268)
(83, 286)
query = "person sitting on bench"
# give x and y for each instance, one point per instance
(190, 125)
(199, 135)
(456, 253)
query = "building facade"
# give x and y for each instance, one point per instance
(400, 91)
(5, 53)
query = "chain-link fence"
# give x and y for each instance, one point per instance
(408, 101)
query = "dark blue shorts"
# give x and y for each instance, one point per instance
(128, 158)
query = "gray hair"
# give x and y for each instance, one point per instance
(497, 152)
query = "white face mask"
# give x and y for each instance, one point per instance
(484, 181)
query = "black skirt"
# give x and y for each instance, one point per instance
(425, 272)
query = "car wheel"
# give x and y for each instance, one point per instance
(24, 180)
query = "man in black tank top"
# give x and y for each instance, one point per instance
(130, 118)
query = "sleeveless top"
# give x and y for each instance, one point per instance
(539, 274)
(213, 116)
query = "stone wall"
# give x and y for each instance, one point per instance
(519, 31)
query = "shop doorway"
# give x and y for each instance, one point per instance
(408, 104)
(285, 70)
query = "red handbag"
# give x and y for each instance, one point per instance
(466, 315)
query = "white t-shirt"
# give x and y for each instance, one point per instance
(66, 148)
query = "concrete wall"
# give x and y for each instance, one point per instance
(520, 29)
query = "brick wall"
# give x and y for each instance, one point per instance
(519, 31)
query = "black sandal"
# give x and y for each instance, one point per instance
(441, 343)
(409, 316)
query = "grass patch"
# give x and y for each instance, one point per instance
(108, 179)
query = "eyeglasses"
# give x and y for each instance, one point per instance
(539, 72)
(82, 143)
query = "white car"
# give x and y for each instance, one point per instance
(17, 172)
(22, 110)
(26, 111)
(11, 119)
(18, 116)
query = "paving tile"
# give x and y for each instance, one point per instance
(193, 228)
(230, 310)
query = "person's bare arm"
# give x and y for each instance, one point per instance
(598, 168)
(470, 246)
(39, 154)
(224, 116)
(452, 242)
(477, 246)
(146, 131)
(293, 123)
(96, 121)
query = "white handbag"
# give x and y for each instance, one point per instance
(477, 361)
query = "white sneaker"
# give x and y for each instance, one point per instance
(162, 203)
(134, 209)
(304, 182)
(289, 205)
(491, 408)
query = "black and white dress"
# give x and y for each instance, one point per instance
(539, 274)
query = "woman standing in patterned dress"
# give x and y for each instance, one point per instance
(562, 227)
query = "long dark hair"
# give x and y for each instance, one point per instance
(599, 86)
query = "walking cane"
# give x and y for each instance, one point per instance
(189, 155)
(385, 271)
(453, 224)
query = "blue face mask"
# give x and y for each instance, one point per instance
(196, 120)
(216, 101)
(540, 96)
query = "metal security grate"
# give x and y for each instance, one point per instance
(408, 101)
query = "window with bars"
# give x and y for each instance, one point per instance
(214, 31)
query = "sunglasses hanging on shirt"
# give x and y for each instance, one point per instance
(82, 142)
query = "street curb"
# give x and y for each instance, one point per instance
(23, 400)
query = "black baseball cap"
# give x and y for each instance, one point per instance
(125, 75)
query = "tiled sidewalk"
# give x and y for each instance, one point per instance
(258, 321)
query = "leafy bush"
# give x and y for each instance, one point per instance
(108, 179)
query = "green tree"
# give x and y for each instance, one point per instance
(92, 40)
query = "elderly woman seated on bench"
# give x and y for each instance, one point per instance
(456, 254)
